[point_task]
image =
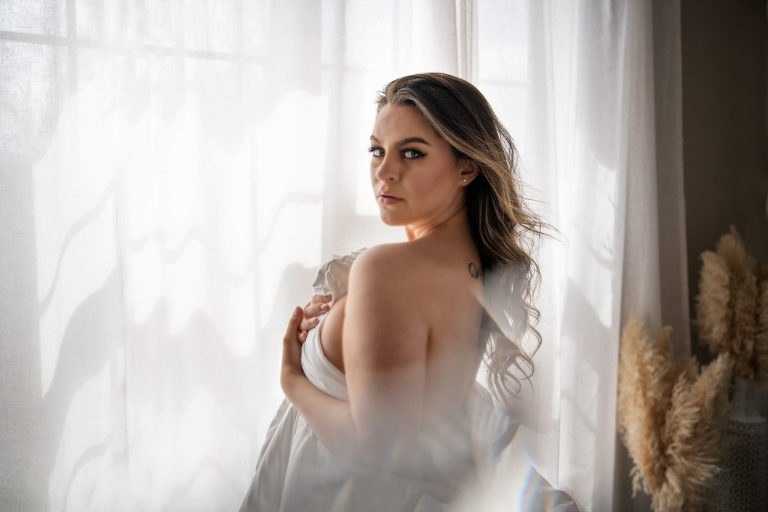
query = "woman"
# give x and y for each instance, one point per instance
(393, 418)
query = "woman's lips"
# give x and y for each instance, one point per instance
(384, 199)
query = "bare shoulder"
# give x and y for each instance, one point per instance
(386, 255)
(384, 317)
(396, 266)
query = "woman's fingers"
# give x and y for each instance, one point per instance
(314, 308)
(317, 306)
(308, 323)
(291, 332)
(291, 365)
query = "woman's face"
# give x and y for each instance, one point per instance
(416, 178)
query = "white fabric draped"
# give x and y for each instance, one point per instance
(172, 174)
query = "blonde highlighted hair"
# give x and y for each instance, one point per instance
(504, 229)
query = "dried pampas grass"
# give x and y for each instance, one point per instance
(761, 339)
(714, 316)
(670, 418)
(731, 307)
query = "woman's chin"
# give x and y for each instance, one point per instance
(390, 221)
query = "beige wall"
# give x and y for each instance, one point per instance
(724, 128)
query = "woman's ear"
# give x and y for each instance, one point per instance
(469, 170)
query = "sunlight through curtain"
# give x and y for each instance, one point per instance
(172, 174)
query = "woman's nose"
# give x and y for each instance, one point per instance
(387, 169)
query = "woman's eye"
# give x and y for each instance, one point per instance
(376, 151)
(412, 153)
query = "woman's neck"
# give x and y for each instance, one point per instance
(456, 225)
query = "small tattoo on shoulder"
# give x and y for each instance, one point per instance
(474, 271)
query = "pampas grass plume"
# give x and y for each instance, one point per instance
(714, 315)
(692, 429)
(644, 385)
(729, 307)
(670, 418)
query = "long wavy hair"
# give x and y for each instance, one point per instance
(505, 230)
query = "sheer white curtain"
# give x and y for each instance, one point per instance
(171, 175)
(601, 145)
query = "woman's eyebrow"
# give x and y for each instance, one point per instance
(406, 141)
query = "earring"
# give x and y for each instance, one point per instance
(465, 180)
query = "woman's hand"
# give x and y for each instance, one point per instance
(291, 371)
(302, 320)
(318, 305)
(329, 417)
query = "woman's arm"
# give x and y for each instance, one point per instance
(385, 349)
